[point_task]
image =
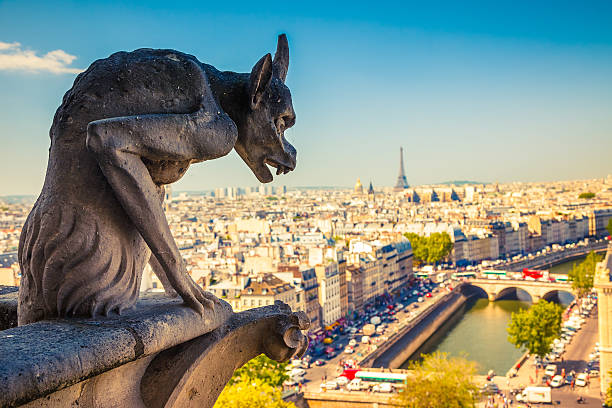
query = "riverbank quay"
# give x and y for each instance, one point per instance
(333, 367)
(401, 345)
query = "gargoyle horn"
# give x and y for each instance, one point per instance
(280, 65)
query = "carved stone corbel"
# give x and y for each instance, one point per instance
(194, 373)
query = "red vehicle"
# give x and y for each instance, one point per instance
(532, 273)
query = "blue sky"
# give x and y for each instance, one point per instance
(490, 91)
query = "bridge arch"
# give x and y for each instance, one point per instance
(470, 289)
(514, 292)
(559, 296)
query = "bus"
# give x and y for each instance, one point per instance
(373, 376)
(459, 275)
(560, 278)
(494, 273)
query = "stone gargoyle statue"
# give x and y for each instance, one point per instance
(132, 123)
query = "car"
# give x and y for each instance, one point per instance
(299, 363)
(355, 385)
(489, 388)
(342, 380)
(581, 380)
(383, 387)
(428, 294)
(569, 378)
(296, 372)
(550, 370)
(352, 343)
(593, 373)
(556, 382)
(349, 350)
(330, 385)
(319, 363)
(420, 300)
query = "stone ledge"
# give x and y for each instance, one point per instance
(43, 357)
(8, 307)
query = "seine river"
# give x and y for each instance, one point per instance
(478, 331)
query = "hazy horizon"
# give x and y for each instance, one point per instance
(475, 90)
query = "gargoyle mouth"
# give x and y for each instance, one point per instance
(281, 168)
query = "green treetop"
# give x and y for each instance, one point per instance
(440, 381)
(587, 196)
(256, 384)
(536, 328)
(582, 275)
(430, 249)
(261, 368)
(254, 393)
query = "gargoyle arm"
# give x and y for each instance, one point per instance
(119, 144)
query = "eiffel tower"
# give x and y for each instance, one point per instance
(401, 183)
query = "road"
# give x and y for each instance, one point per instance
(575, 358)
(332, 368)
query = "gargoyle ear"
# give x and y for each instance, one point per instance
(280, 65)
(261, 75)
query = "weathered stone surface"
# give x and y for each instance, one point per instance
(8, 307)
(42, 357)
(132, 123)
(104, 363)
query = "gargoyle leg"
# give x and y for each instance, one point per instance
(118, 144)
(161, 274)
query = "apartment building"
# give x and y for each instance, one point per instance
(328, 278)
(264, 290)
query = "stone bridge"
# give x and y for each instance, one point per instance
(497, 288)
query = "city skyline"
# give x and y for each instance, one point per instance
(489, 93)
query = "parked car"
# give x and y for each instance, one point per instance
(330, 385)
(356, 385)
(489, 388)
(557, 381)
(383, 387)
(581, 380)
(342, 380)
(550, 370)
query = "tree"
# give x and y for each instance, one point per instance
(440, 381)
(587, 196)
(582, 275)
(536, 328)
(255, 384)
(440, 246)
(254, 393)
(608, 400)
(261, 368)
(430, 249)
(609, 227)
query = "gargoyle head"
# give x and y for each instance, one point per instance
(261, 138)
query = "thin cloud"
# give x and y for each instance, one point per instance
(14, 58)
